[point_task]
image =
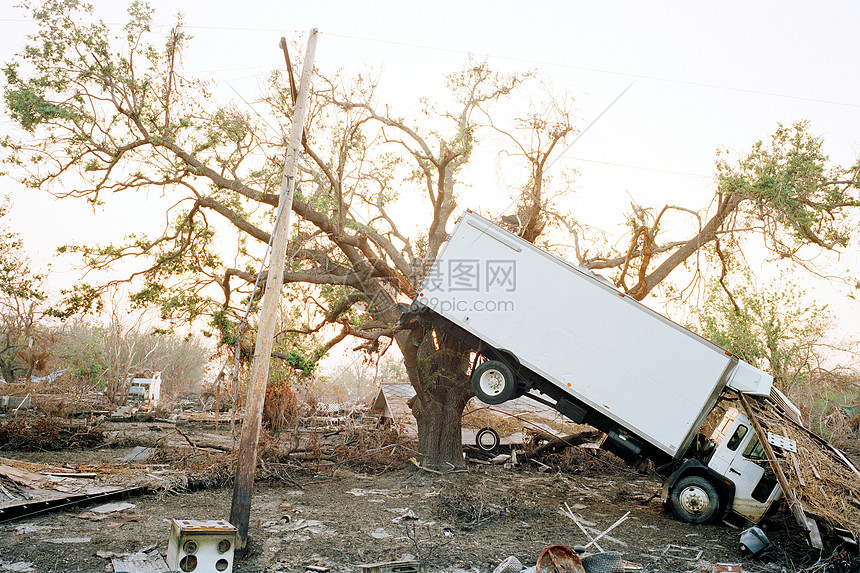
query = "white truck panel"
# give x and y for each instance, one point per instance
(577, 331)
(751, 380)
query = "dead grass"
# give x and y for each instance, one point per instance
(375, 448)
(67, 397)
(281, 408)
(320, 450)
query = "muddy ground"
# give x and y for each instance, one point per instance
(348, 515)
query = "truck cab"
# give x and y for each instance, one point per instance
(733, 476)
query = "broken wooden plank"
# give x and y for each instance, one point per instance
(796, 468)
(570, 514)
(844, 459)
(793, 457)
(52, 501)
(140, 563)
(815, 471)
(611, 527)
(22, 477)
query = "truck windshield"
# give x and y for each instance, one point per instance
(754, 451)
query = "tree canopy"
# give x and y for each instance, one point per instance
(771, 327)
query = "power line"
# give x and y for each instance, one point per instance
(642, 167)
(509, 59)
(605, 71)
(578, 68)
(624, 165)
(587, 127)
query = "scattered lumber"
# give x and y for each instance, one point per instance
(554, 444)
(156, 439)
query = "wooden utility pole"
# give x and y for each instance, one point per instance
(243, 484)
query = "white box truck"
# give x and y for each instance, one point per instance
(546, 329)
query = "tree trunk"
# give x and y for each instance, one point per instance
(437, 365)
(7, 371)
(439, 431)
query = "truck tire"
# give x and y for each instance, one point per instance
(487, 440)
(694, 500)
(494, 382)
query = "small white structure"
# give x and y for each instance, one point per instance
(50, 378)
(202, 546)
(144, 392)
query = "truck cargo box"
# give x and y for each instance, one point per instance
(576, 330)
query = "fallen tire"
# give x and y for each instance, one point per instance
(487, 440)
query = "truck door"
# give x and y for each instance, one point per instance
(741, 459)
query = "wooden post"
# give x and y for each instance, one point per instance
(289, 62)
(794, 504)
(243, 485)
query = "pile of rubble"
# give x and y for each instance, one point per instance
(824, 484)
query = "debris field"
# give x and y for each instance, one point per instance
(311, 512)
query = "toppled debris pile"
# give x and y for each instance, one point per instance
(37, 432)
(471, 508)
(183, 469)
(822, 478)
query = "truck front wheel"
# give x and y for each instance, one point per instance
(494, 382)
(694, 500)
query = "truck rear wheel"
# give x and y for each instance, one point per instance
(694, 500)
(494, 382)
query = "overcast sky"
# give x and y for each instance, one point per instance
(708, 75)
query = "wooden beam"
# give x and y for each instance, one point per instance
(243, 484)
(290, 76)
